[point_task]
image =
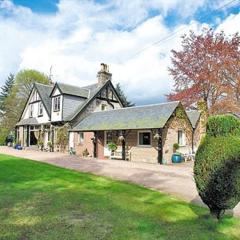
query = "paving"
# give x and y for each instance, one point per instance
(176, 180)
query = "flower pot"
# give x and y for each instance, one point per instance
(176, 158)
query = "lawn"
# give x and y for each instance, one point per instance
(39, 201)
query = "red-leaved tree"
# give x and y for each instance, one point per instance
(207, 68)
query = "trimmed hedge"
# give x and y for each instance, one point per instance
(223, 125)
(217, 173)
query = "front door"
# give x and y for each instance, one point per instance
(33, 139)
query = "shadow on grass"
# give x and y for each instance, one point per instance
(39, 201)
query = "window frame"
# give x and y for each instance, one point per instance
(181, 143)
(145, 145)
(105, 107)
(56, 103)
(31, 110)
(40, 109)
(80, 138)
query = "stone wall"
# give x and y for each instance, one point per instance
(170, 136)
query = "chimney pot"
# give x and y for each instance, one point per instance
(104, 75)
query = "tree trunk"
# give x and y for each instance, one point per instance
(216, 212)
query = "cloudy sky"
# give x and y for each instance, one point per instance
(134, 37)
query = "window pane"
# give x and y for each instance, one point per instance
(145, 138)
(81, 137)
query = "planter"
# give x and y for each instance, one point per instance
(176, 158)
(18, 147)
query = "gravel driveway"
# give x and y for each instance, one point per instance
(175, 179)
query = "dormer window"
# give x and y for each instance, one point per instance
(56, 104)
(31, 110)
(40, 109)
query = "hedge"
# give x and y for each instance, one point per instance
(223, 125)
(217, 173)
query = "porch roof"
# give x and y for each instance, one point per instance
(141, 117)
(30, 121)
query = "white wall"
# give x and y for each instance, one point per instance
(26, 114)
(56, 116)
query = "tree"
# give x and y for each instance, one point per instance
(207, 68)
(217, 165)
(6, 90)
(123, 96)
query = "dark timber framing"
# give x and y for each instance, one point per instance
(160, 147)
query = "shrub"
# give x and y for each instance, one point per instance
(223, 125)
(175, 147)
(217, 173)
(112, 146)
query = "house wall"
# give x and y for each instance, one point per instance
(86, 144)
(135, 153)
(170, 136)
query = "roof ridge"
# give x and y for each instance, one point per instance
(45, 85)
(72, 85)
(141, 106)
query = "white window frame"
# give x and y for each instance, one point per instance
(181, 143)
(31, 110)
(56, 103)
(80, 137)
(143, 145)
(40, 109)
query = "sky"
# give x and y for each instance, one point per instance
(72, 37)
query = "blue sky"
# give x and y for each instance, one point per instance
(40, 6)
(75, 36)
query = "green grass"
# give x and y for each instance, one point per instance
(39, 201)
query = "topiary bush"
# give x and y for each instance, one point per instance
(217, 173)
(223, 125)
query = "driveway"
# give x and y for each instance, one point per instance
(175, 179)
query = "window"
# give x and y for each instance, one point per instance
(144, 138)
(56, 104)
(31, 110)
(40, 109)
(80, 137)
(181, 138)
(103, 107)
(109, 137)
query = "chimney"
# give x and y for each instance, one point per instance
(104, 75)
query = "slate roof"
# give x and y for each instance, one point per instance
(94, 89)
(141, 117)
(73, 90)
(28, 121)
(44, 91)
(193, 116)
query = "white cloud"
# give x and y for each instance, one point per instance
(82, 34)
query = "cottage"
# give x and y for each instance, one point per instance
(94, 117)
(144, 133)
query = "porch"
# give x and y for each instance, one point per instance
(34, 136)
